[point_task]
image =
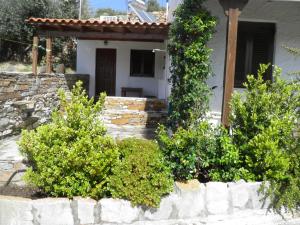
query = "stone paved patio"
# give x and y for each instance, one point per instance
(10, 160)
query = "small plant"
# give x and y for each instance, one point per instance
(142, 175)
(72, 155)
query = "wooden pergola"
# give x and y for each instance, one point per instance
(128, 31)
(92, 30)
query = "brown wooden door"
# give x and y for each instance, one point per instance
(106, 71)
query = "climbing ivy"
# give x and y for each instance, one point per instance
(192, 28)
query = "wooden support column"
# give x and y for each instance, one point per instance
(35, 54)
(48, 55)
(233, 9)
(233, 15)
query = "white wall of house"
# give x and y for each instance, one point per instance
(286, 16)
(86, 62)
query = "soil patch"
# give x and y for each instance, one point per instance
(24, 192)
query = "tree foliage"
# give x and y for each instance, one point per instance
(108, 12)
(16, 34)
(153, 5)
(13, 27)
(190, 63)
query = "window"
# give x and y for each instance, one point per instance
(255, 45)
(142, 63)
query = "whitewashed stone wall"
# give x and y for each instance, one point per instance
(193, 203)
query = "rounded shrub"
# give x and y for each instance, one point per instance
(142, 175)
(71, 156)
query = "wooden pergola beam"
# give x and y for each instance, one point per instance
(233, 9)
(35, 54)
(105, 35)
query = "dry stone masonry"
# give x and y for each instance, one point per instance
(133, 117)
(27, 100)
(189, 204)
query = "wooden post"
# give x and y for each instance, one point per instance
(233, 9)
(35, 54)
(233, 15)
(48, 55)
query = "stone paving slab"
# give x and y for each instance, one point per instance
(11, 160)
(9, 150)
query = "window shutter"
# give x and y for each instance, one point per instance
(240, 60)
(255, 46)
(263, 47)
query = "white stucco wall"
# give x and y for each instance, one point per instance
(86, 62)
(286, 16)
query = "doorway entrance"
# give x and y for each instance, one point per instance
(106, 71)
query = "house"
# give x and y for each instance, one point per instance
(128, 57)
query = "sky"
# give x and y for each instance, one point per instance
(115, 4)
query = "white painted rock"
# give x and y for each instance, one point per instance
(190, 201)
(118, 211)
(256, 198)
(15, 211)
(165, 210)
(217, 197)
(83, 210)
(52, 211)
(240, 194)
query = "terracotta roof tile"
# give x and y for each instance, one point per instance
(89, 22)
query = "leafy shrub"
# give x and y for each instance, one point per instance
(71, 156)
(263, 122)
(221, 160)
(190, 32)
(142, 176)
(202, 152)
(264, 125)
(180, 151)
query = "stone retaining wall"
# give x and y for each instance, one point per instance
(193, 203)
(27, 100)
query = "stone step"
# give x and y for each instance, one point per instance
(137, 104)
(127, 131)
(149, 119)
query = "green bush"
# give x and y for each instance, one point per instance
(202, 152)
(142, 176)
(180, 151)
(264, 124)
(71, 156)
(220, 160)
